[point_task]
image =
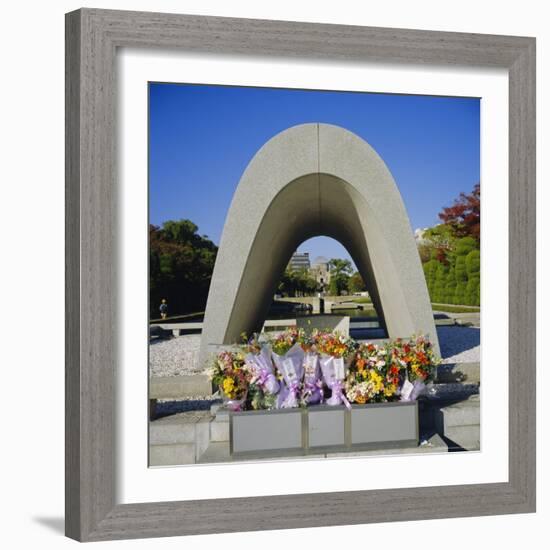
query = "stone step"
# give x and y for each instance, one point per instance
(219, 452)
(172, 455)
(219, 429)
(459, 424)
(175, 429)
(433, 445)
(465, 413)
(179, 439)
(463, 437)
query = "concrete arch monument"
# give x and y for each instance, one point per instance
(309, 180)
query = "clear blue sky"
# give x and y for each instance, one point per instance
(202, 138)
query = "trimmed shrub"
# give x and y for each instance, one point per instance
(473, 265)
(430, 269)
(439, 289)
(457, 282)
(450, 285)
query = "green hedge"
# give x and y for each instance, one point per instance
(457, 281)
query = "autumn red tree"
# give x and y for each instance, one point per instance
(464, 214)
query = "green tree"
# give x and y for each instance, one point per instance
(356, 283)
(437, 243)
(180, 267)
(297, 283)
(465, 214)
(340, 272)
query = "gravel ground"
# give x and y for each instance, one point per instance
(175, 356)
(179, 355)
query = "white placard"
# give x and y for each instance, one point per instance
(407, 389)
(310, 364)
(339, 372)
(289, 370)
(136, 482)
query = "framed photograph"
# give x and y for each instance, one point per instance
(295, 251)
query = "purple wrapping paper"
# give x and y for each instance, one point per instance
(262, 367)
(312, 392)
(234, 405)
(290, 366)
(334, 374)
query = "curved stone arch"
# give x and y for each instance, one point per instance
(309, 180)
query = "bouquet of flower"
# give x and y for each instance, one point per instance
(230, 373)
(293, 368)
(371, 378)
(285, 340)
(419, 362)
(312, 391)
(264, 385)
(288, 357)
(336, 353)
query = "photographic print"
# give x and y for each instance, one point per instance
(314, 274)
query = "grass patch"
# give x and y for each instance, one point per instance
(455, 309)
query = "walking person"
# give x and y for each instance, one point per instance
(163, 309)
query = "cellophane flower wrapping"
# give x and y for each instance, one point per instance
(334, 374)
(290, 368)
(417, 358)
(263, 382)
(293, 368)
(336, 352)
(230, 373)
(312, 391)
(373, 376)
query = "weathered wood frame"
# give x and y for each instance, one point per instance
(92, 39)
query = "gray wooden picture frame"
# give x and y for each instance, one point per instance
(92, 39)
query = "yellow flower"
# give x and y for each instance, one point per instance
(390, 390)
(228, 386)
(376, 380)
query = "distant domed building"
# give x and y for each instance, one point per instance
(320, 260)
(320, 272)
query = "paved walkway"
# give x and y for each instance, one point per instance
(459, 344)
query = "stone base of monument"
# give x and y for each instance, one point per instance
(204, 436)
(323, 429)
(459, 424)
